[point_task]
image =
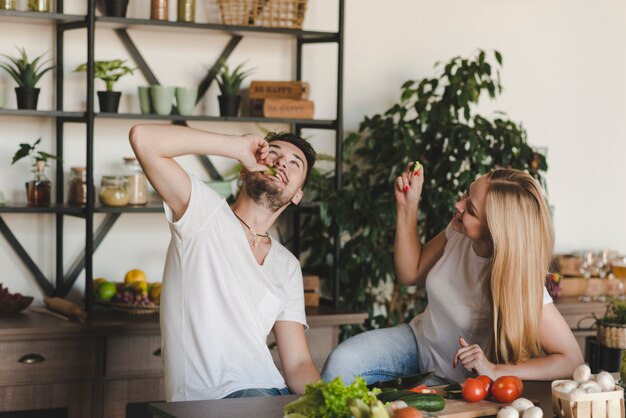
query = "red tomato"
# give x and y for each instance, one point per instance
(486, 380)
(506, 389)
(520, 384)
(473, 390)
(407, 412)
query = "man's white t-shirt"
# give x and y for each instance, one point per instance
(455, 308)
(218, 304)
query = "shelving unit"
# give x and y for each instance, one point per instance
(62, 23)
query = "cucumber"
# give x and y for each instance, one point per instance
(421, 401)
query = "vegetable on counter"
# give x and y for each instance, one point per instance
(330, 400)
(421, 401)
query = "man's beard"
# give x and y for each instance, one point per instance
(265, 193)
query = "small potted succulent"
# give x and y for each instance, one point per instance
(109, 72)
(38, 189)
(26, 74)
(230, 85)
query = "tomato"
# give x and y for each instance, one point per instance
(473, 390)
(506, 389)
(407, 412)
(486, 380)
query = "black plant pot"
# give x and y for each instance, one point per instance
(115, 8)
(109, 101)
(27, 97)
(229, 104)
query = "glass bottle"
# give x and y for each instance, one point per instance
(39, 5)
(7, 4)
(38, 189)
(158, 10)
(114, 191)
(77, 194)
(137, 182)
(186, 11)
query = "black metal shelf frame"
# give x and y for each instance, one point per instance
(62, 23)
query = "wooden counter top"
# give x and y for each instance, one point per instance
(106, 321)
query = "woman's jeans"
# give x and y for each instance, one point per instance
(377, 355)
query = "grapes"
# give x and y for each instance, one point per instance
(5, 295)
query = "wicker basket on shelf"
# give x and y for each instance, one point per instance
(612, 328)
(287, 14)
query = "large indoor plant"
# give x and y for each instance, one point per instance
(26, 74)
(436, 122)
(109, 72)
(229, 83)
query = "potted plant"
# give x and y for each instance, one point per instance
(435, 121)
(26, 74)
(38, 189)
(611, 329)
(109, 72)
(230, 84)
(114, 8)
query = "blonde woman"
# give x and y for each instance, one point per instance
(488, 310)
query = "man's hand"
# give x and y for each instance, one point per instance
(254, 152)
(473, 359)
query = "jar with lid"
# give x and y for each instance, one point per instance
(137, 182)
(38, 190)
(77, 194)
(186, 11)
(114, 191)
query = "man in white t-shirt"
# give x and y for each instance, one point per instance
(227, 283)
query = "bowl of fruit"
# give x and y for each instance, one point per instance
(135, 295)
(13, 302)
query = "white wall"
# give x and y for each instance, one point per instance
(563, 66)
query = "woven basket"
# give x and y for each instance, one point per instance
(264, 13)
(611, 335)
(130, 308)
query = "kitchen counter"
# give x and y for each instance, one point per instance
(272, 407)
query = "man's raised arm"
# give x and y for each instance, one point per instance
(156, 145)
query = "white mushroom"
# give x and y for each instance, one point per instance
(582, 373)
(522, 404)
(578, 391)
(533, 412)
(566, 386)
(606, 381)
(590, 387)
(508, 412)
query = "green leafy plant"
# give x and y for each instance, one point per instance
(230, 81)
(436, 123)
(615, 313)
(28, 150)
(25, 73)
(108, 71)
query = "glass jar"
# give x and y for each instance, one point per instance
(7, 4)
(38, 190)
(77, 194)
(137, 182)
(114, 191)
(39, 5)
(186, 11)
(158, 10)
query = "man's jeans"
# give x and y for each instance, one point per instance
(250, 393)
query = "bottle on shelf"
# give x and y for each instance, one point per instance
(38, 189)
(158, 10)
(7, 4)
(114, 191)
(38, 5)
(186, 11)
(77, 194)
(137, 182)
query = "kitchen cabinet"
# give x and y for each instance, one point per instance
(108, 367)
(61, 23)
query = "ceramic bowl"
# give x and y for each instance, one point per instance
(17, 305)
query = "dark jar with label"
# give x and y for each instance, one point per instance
(38, 189)
(77, 194)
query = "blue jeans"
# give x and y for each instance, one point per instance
(251, 393)
(377, 355)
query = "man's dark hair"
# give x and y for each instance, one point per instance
(303, 145)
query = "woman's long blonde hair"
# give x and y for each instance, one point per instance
(523, 238)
